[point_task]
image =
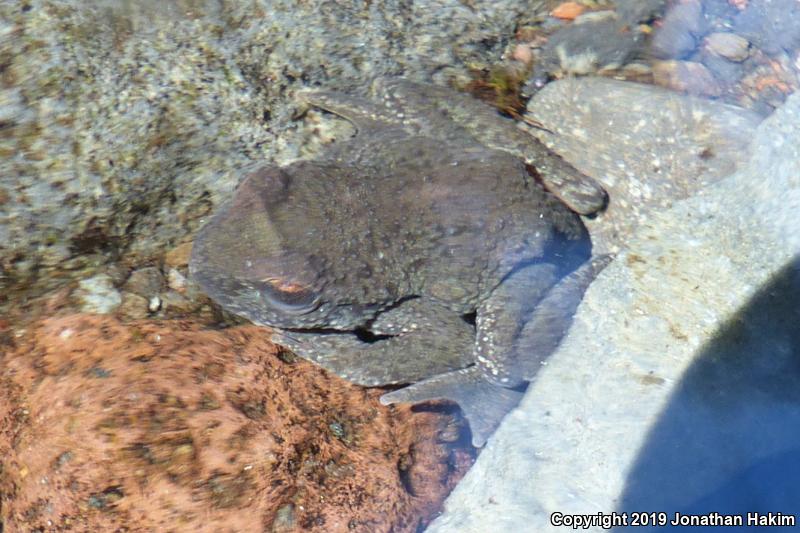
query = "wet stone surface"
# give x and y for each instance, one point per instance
(674, 389)
(649, 147)
(112, 155)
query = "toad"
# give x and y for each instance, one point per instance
(440, 247)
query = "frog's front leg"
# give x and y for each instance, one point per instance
(413, 341)
(581, 193)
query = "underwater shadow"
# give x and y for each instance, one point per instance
(728, 442)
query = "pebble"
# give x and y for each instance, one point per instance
(176, 304)
(728, 45)
(284, 519)
(98, 295)
(568, 10)
(686, 76)
(523, 54)
(596, 16)
(154, 304)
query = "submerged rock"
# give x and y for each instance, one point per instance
(675, 389)
(728, 45)
(648, 146)
(125, 122)
(150, 426)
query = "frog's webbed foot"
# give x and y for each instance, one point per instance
(415, 340)
(527, 333)
(484, 405)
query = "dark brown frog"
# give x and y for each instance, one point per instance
(422, 251)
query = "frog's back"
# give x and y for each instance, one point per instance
(416, 217)
(459, 219)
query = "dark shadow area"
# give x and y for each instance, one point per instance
(728, 442)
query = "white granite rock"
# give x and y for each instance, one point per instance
(675, 379)
(648, 146)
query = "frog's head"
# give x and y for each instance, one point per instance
(265, 255)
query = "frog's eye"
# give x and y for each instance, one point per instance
(288, 296)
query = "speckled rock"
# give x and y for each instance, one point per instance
(677, 380)
(770, 24)
(124, 123)
(648, 146)
(595, 42)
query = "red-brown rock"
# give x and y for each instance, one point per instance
(172, 427)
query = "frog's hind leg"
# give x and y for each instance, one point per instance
(363, 113)
(518, 326)
(517, 332)
(442, 108)
(484, 405)
(581, 193)
(415, 340)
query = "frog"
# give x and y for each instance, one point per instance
(439, 251)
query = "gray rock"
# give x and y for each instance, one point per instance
(648, 146)
(124, 122)
(728, 45)
(675, 44)
(601, 43)
(727, 72)
(639, 11)
(97, 295)
(667, 359)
